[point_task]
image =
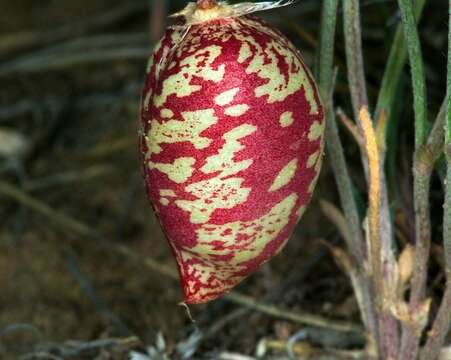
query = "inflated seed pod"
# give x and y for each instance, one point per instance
(232, 139)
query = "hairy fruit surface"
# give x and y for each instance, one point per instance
(231, 143)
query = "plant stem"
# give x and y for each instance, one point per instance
(442, 321)
(441, 325)
(372, 151)
(388, 327)
(422, 171)
(436, 140)
(354, 56)
(430, 153)
(334, 146)
(412, 330)
(355, 243)
(423, 167)
(326, 50)
(416, 65)
(394, 68)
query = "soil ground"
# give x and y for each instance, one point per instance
(78, 119)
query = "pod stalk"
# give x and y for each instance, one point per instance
(206, 4)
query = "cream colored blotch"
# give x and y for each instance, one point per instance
(286, 119)
(285, 175)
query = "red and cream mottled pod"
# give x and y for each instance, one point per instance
(232, 138)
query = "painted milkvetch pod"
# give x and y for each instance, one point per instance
(231, 142)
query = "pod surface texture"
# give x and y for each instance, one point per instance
(231, 144)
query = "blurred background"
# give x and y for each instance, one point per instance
(85, 271)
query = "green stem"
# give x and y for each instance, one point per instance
(431, 153)
(436, 139)
(417, 70)
(394, 68)
(423, 166)
(355, 243)
(326, 50)
(424, 163)
(442, 321)
(388, 326)
(333, 142)
(354, 56)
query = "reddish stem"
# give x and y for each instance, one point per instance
(206, 4)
